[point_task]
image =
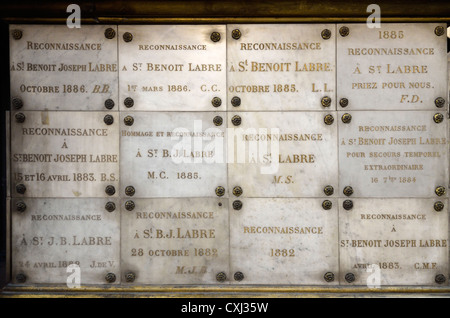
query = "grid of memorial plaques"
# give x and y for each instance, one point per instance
(272, 154)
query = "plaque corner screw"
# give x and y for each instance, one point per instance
(439, 102)
(348, 191)
(328, 119)
(17, 103)
(344, 31)
(343, 102)
(328, 190)
(108, 119)
(21, 278)
(346, 118)
(350, 277)
(21, 206)
(21, 188)
(216, 102)
(327, 205)
(438, 118)
(20, 117)
(236, 120)
(237, 205)
(110, 277)
(439, 30)
(110, 33)
(127, 37)
(129, 205)
(236, 101)
(110, 206)
(440, 191)
(128, 102)
(440, 279)
(130, 191)
(215, 36)
(329, 277)
(220, 191)
(128, 120)
(236, 34)
(218, 121)
(17, 34)
(110, 190)
(438, 206)
(221, 277)
(238, 276)
(326, 34)
(347, 205)
(109, 104)
(130, 277)
(326, 101)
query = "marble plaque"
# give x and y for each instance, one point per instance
(400, 66)
(406, 240)
(64, 154)
(51, 234)
(53, 67)
(281, 67)
(393, 154)
(175, 241)
(282, 154)
(284, 241)
(164, 154)
(172, 67)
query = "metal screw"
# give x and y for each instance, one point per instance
(326, 101)
(327, 205)
(128, 102)
(348, 191)
(236, 120)
(110, 190)
(440, 191)
(127, 37)
(109, 119)
(439, 30)
(21, 188)
(328, 119)
(21, 278)
(439, 102)
(20, 117)
(221, 277)
(129, 205)
(110, 277)
(350, 277)
(328, 190)
(215, 36)
(438, 118)
(216, 102)
(17, 103)
(16, 34)
(237, 191)
(130, 191)
(343, 102)
(344, 31)
(218, 121)
(440, 279)
(438, 206)
(238, 276)
(237, 205)
(130, 277)
(347, 205)
(21, 206)
(220, 191)
(326, 34)
(236, 101)
(109, 104)
(346, 118)
(110, 33)
(329, 277)
(128, 120)
(110, 206)
(236, 34)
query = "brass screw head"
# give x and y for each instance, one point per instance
(237, 204)
(127, 37)
(328, 190)
(20, 117)
(215, 37)
(21, 188)
(347, 205)
(110, 190)
(327, 205)
(325, 101)
(220, 191)
(237, 191)
(329, 277)
(109, 104)
(16, 34)
(236, 120)
(439, 102)
(439, 30)
(348, 191)
(344, 31)
(110, 206)
(21, 206)
(128, 120)
(128, 102)
(438, 206)
(326, 34)
(17, 103)
(440, 191)
(129, 205)
(130, 277)
(440, 279)
(438, 118)
(108, 119)
(110, 277)
(343, 102)
(130, 191)
(221, 277)
(350, 277)
(238, 276)
(218, 121)
(346, 118)
(216, 102)
(236, 101)
(236, 34)
(328, 119)
(21, 278)
(110, 33)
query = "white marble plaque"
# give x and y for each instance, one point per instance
(406, 240)
(393, 154)
(281, 67)
(282, 154)
(172, 67)
(53, 67)
(399, 66)
(175, 241)
(52, 234)
(164, 154)
(284, 241)
(64, 154)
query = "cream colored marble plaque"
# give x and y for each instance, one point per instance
(53, 67)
